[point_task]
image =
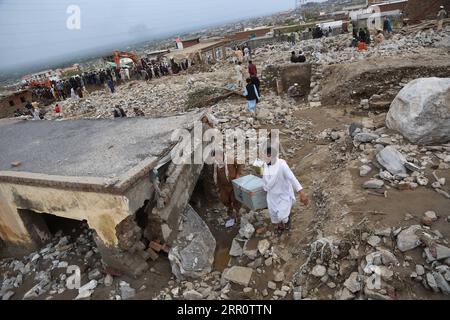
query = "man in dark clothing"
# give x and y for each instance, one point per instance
(156, 71)
(367, 33)
(251, 93)
(294, 58)
(256, 82)
(301, 58)
(111, 85)
(318, 32)
(362, 35)
(28, 106)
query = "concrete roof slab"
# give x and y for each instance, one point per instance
(102, 148)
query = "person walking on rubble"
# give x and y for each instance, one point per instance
(239, 55)
(387, 27)
(252, 94)
(362, 35)
(224, 173)
(280, 184)
(442, 14)
(246, 53)
(292, 38)
(252, 71)
(239, 74)
(110, 84)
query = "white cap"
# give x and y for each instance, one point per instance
(442, 7)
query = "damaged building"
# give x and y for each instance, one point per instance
(114, 174)
(12, 101)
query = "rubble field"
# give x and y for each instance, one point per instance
(378, 223)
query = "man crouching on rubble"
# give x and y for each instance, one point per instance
(279, 183)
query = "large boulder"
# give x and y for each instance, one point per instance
(421, 111)
(192, 253)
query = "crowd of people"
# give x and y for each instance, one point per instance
(75, 87)
(242, 54)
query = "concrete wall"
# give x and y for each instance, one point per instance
(190, 43)
(420, 10)
(260, 42)
(102, 211)
(242, 35)
(288, 74)
(6, 110)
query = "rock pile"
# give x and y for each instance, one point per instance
(55, 267)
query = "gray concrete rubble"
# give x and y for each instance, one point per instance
(376, 226)
(192, 254)
(392, 160)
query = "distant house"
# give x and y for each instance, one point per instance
(60, 73)
(206, 51)
(155, 55)
(11, 101)
(373, 16)
(249, 34)
(42, 76)
(417, 10)
(190, 42)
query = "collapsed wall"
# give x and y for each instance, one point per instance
(122, 154)
(281, 77)
(347, 84)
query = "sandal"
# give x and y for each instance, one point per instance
(279, 231)
(288, 225)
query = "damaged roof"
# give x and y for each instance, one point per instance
(100, 151)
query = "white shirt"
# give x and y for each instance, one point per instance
(280, 183)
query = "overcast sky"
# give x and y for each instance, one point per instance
(31, 30)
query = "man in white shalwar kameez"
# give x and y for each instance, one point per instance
(280, 183)
(239, 74)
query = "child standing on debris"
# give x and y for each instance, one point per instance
(279, 183)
